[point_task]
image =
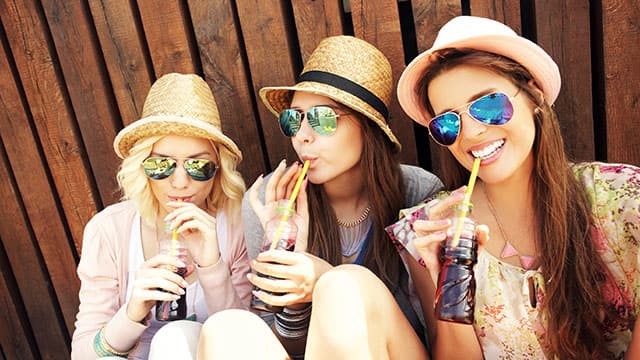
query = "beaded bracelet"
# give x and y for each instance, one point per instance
(102, 347)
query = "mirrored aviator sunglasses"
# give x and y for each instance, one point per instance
(322, 119)
(492, 109)
(158, 168)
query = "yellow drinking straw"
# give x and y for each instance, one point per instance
(292, 200)
(466, 203)
(173, 249)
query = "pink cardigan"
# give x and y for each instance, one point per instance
(103, 272)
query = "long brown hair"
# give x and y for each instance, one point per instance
(383, 183)
(569, 261)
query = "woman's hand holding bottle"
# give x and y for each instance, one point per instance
(155, 282)
(433, 231)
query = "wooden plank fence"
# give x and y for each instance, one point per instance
(73, 73)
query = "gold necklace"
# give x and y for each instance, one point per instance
(508, 250)
(352, 223)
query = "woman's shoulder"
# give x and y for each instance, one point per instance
(420, 184)
(599, 177)
(123, 209)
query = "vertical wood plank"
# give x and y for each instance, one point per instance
(166, 30)
(88, 89)
(316, 20)
(269, 53)
(378, 22)
(621, 36)
(563, 31)
(505, 11)
(57, 132)
(428, 18)
(34, 285)
(58, 139)
(226, 73)
(16, 338)
(124, 55)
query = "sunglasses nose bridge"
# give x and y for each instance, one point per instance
(469, 125)
(305, 132)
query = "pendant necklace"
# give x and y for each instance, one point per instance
(508, 250)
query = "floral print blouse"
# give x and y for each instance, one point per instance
(507, 321)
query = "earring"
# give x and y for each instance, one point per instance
(537, 110)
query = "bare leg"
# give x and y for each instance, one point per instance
(238, 334)
(175, 340)
(356, 317)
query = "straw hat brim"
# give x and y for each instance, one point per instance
(169, 125)
(541, 66)
(278, 98)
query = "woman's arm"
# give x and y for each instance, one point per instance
(100, 296)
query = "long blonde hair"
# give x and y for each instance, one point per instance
(226, 193)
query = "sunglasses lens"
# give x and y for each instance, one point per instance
(200, 169)
(290, 122)
(493, 109)
(323, 120)
(158, 168)
(444, 128)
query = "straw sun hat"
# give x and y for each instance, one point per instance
(348, 70)
(477, 33)
(177, 104)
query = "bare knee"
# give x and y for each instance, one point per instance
(225, 335)
(230, 323)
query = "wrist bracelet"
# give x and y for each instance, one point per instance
(103, 349)
(292, 323)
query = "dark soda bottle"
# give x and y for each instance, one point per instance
(455, 296)
(282, 228)
(174, 309)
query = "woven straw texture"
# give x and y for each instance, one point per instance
(350, 58)
(177, 104)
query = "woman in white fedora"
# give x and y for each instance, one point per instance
(178, 171)
(560, 276)
(345, 292)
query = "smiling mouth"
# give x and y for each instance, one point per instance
(489, 150)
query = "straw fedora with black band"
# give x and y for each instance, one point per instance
(177, 104)
(477, 33)
(348, 70)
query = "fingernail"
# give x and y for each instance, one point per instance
(181, 291)
(440, 234)
(181, 264)
(444, 222)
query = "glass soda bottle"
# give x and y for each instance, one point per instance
(283, 230)
(455, 295)
(170, 244)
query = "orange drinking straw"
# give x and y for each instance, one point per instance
(466, 202)
(292, 200)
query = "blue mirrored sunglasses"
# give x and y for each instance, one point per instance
(492, 109)
(322, 119)
(158, 168)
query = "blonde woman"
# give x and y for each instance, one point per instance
(178, 171)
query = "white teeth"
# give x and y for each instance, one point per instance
(488, 151)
